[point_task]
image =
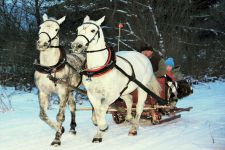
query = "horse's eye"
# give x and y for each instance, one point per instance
(56, 29)
(93, 31)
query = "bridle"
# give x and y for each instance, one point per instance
(111, 60)
(54, 37)
(89, 41)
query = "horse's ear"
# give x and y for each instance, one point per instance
(100, 21)
(61, 20)
(45, 17)
(86, 19)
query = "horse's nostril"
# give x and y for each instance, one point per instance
(79, 46)
(45, 44)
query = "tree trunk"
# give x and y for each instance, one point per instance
(37, 12)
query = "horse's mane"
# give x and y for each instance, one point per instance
(52, 18)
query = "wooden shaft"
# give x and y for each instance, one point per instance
(133, 109)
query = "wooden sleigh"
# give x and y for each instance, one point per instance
(158, 114)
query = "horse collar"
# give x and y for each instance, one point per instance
(52, 69)
(109, 65)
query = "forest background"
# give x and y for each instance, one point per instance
(191, 31)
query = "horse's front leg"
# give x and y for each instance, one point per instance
(100, 114)
(72, 106)
(98, 117)
(60, 118)
(43, 103)
(93, 117)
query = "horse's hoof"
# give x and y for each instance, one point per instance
(155, 122)
(97, 140)
(56, 143)
(72, 131)
(132, 133)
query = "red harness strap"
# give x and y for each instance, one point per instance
(107, 67)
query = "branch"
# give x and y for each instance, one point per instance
(128, 46)
(194, 44)
(195, 28)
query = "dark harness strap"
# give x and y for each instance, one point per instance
(93, 51)
(132, 75)
(50, 39)
(97, 33)
(158, 99)
(51, 69)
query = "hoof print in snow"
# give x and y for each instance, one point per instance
(97, 140)
(132, 133)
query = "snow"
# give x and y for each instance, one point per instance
(201, 129)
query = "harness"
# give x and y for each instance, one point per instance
(58, 66)
(51, 69)
(108, 66)
(132, 76)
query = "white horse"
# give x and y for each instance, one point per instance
(105, 87)
(55, 75)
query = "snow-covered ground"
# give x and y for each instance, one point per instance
(201, 129)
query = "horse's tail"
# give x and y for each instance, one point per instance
(154, 86)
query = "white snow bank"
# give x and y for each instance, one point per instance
(201, 129)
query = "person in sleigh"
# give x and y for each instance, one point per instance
(163, 70)
(171, 82)
(157, 61)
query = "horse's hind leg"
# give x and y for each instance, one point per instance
(72, 106)
(128, 100)
(142, 95)
(60, 118)
(43, 102)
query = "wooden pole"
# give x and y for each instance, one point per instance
(119, 40)
(133, 109)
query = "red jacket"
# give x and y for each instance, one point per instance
(170, 74)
